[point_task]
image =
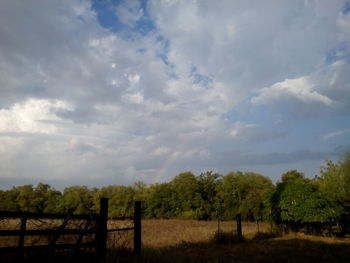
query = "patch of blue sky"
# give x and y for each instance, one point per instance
(145, 24)
(282, 134)
(341, 52)
(311, 133)
(200, 78)
(106, 15)
(108, 18)
(163, 52)
(245, 112)
(346, 8)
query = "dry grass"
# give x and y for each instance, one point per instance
(159, 233)
(167, 241)
(39, 224)
(120, 240)
(311, 238)
(175, 240)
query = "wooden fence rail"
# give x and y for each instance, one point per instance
(94, 224)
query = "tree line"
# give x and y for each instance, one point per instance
(294, 201)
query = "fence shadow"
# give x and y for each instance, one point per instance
(293, 250)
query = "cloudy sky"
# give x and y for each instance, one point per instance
(109, 92)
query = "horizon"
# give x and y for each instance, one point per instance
(111, 92)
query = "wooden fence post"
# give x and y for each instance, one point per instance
(21, 237)
(101, 235)
(137, 227)
(239, 227)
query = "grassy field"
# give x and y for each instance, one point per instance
(193, 241)
(163, 233)
(190, 241)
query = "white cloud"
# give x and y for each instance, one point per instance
(135, 98)
(161, 150)
(238, 49)
(32, 116)
(300, 88)
(343, 23)
(238, 128)
(85, 101)
(129, 12)
(335, 134)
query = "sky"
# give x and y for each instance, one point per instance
(108, 92)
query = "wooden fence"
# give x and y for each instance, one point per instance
(94, 225)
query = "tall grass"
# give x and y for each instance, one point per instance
(187, 241)
(175, 240)
(157, 233)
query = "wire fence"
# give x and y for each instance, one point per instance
(120, 234)
(53, 235)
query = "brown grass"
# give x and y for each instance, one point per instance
(157, 233)
(167, 241)
(42, 224)
(175, 240)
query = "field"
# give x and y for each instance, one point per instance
(193, 241)
(176, 240)
(164, 233)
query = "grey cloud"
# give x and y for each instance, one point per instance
(57, 51)
(276, 158)
(249, 46)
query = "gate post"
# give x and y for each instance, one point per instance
(101, 235)
(137, 227)
(239, 227)
(21, 236)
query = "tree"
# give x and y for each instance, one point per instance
(77, 200)
(162, 202)
(292, 176)
(8, 200)
(334, 184)
(242, 193)
(121, 200)
(297, 202)
(26, 198)
(187, 195)
(252, 188)
(46, 198)
(302, 204)
(207, 186)
(226, 201)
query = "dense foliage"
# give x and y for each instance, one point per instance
(294, 201)
(206, 196)
(315, 204)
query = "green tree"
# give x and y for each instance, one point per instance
(162, 202)
(301, 203)
(26, 198)
(253, 188)
(207, 186)
(77, 200)
(186, 193)
(46, 198)
(334, 184)
(8, 200)
(292, 176)
(226, 201)
(297, 202)
(242, 193)
(121, 200)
